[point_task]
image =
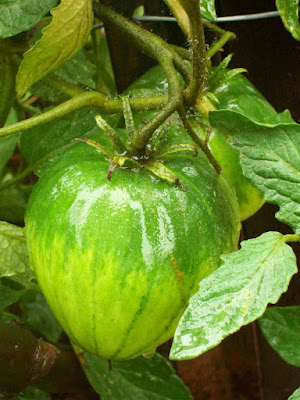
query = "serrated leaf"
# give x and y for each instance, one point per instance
(281, 328)
(137, 379)
(14, 253)
(236, 294)
(21, 15)
(289, 13)
(62, 38)
(270, 158)
(208, 10)
(295, 395)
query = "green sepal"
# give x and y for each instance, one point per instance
(176, 149)
(161, 171)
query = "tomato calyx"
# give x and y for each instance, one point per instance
(124, 156)
(153, 164)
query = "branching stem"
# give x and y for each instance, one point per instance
(220, 43)
(203, 146)
(93, 98)
(156, 48)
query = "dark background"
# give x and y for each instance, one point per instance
(243, 367)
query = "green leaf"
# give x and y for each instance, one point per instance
(269, 158)
(7, 147)
(281, 328)
(236, 294)
(238, 94)
(288, 10)
(14, 253)
(62, 38)
(79, 70)
(139, 12)
(295, 395)
(8, 317)
(13, 201)
(137, 379)
(220, 75)
(208, 10)
(8, 144)
(10, 292)
(37, 314)
(43, 150)
(34, 394)
(21, 15)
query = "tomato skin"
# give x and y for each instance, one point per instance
(249, 198)
(118, 261)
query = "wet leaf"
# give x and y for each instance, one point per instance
(62, 38)
(79, 70)
(281, 328)
(18, 16)
(295, 395)
(136, 379)
(208, 10)
(236, 294)
(289, 13)
(269, 158)
(14, 254)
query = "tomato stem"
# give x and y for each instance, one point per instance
(128, 116)
(157, 48)
(220, 43)
(196, 39)
(204, 147)
(291, 238)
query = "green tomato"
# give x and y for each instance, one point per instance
(236, 94)
(249, 198)
(118, 260)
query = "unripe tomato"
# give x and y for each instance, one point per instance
(118, 260)
(236, 94)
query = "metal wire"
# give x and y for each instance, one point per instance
(232, 18)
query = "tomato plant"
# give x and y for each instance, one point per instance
(133, 202)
